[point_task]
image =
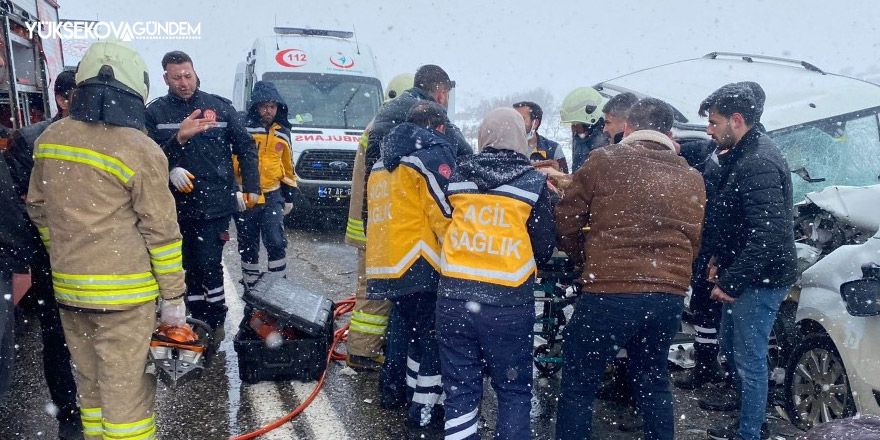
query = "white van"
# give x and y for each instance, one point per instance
(331, 85)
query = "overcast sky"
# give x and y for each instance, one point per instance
(494, 48)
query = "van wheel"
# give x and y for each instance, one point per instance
(816, 387)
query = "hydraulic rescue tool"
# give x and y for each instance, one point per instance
(177, 354)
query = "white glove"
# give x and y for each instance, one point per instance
(181, 179)
(239, 197)
(287, 208)
(173, 313)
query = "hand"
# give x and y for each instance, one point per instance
(251, 199)
(239, 198)
(192, 126)
(173, 313)
(547, 163)
(287, 208)
(181, 179)
(712, 271)
(719, 295)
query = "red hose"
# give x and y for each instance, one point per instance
(342, 307)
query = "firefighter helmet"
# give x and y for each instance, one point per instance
(398, 84)
(582, 105)
(116, 65)
(112, 86)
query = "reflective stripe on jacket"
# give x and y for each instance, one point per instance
(273, 157)
(99, 197)
(355, 234)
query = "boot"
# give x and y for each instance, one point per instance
(70, 427)
(706, 367)
(699, 375)
(364, 363)
(723, 400)
(730, 432)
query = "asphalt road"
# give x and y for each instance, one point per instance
(220, 406)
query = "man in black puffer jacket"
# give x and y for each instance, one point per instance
(199, 132)
(753, 254)
(431, 84)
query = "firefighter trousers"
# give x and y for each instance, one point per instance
(369, 320)
(203, 242)
(109, 352)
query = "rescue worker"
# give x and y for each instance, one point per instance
(502, 226)
(369, 319)
(196, 130)
(431, 84)
(268, 124)
(581, 109)
(99, 198)
(543, 150)
(56, 356)
(408, 216)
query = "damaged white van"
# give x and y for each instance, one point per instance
(332, 87)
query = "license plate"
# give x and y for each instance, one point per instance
(333, 192)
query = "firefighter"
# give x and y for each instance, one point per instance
(408, 215)
(267, 122)
(582, 109)
(196, 130)
(502, 226)
(99, 198)
(369, 319)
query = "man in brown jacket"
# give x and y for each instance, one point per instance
(99, 198)
(644, 208)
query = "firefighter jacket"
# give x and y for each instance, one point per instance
(208, 156)
(355, 235)
(99, 197)
(408, 212)
(276, 164)
(502, 227)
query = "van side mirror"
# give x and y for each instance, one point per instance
(862, 296)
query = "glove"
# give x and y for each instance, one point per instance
(251, 199)
(181, 179)
(239, 197)
(173, 313)
(287, 208)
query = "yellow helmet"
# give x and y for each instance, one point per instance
(398, 84)
(114, 64)
(582, 105)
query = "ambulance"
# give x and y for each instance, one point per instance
(332, 88)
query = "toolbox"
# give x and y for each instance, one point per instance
(290, 305)
(303, 332)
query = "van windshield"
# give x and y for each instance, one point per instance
(328, 101)
(837, 151)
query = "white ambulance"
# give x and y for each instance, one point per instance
(332, 88)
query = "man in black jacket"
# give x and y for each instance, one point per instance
(431, 83)
(753, 261)
(199, 132)
(15, 251)
(41, 296)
